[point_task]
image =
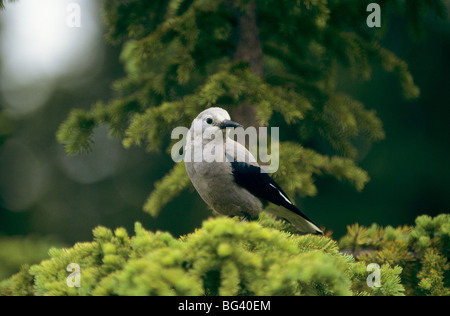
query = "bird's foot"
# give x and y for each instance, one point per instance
(245, 218)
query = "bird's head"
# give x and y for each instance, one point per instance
(213, 120)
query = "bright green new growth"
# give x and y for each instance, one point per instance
(224, 257)
(422, 251)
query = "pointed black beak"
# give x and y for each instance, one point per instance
(228, 123)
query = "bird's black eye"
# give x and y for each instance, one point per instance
(209, 120)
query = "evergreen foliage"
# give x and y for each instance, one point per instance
(226, 257)
(422, 251)
(280, 58)
(222, 258)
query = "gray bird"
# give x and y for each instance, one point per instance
(233, 183)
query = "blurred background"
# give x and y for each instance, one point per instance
(47, 198)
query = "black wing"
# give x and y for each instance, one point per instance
(262, 186)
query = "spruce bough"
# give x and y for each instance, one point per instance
(225, 257)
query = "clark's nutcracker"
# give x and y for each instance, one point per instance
(233, 184)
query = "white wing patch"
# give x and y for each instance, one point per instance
(284, 197)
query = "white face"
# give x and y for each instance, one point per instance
(211, 119)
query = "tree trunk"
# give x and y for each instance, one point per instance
(248, 49)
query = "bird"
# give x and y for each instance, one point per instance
(233, 184)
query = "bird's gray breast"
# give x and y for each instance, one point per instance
(215, 184)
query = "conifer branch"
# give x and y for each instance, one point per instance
(217, 260)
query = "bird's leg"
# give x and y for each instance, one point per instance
(245, 218)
